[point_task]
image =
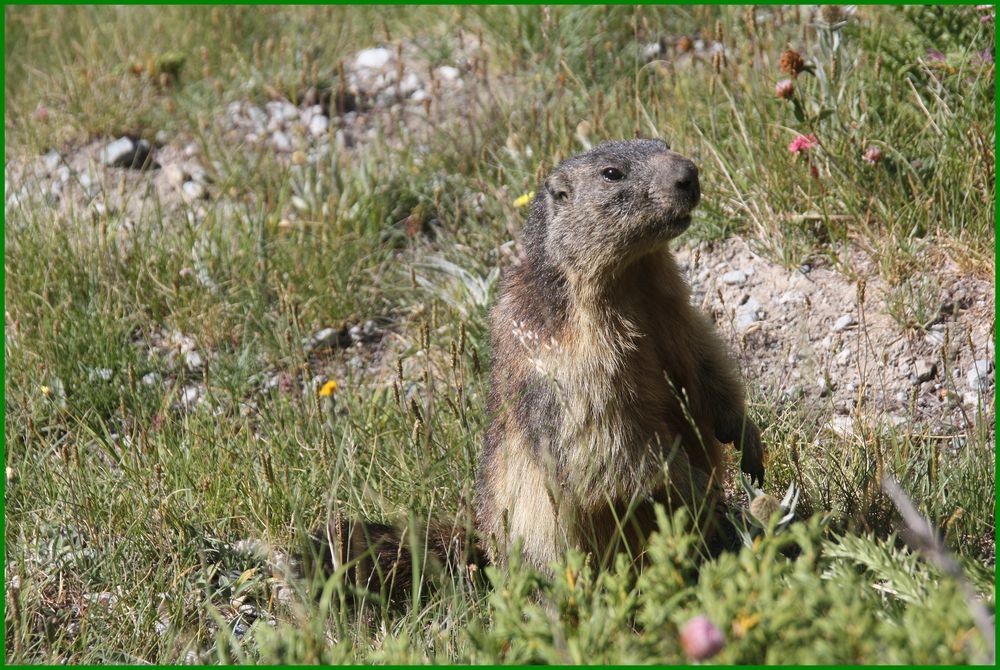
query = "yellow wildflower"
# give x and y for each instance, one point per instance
(743, 623)
(328, 389)
(524, 199)
(46, 390)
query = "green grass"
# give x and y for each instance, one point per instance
(110, 488)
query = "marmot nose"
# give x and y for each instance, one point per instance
(684, 178)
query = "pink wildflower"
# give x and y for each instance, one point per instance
(803, 143)
(872, 155)
(701, 638)
(784, 89)
(41, 113)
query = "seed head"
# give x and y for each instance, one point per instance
(832, 14)
(792, 63)
(764, 507)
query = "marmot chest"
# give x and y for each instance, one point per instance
(628, 379)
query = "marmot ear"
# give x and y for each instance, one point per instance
(557, 187)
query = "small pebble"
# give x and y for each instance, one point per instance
(844, 322)
(192, 360)
(190, 396)
(651, 50)
(372, 59)
(971, 398)
(281, 142)
(409, 84)
(124, 153)
(192, 191)
(175, 175)
(978, 375)
(748, 314)
(793, 297)
(734, 278)
(842, 426)
(923, 370)
(103, 374)
(318, 125)
(793, 392)
(52, 160)
(447, 72)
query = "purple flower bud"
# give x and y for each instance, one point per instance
(701, 638)
(872, 155)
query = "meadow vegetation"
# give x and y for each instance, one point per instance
(125, 504)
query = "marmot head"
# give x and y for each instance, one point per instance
(600, 210)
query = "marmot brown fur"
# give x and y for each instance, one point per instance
(609, 392)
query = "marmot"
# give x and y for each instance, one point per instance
(609, 392)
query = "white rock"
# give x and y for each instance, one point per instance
(281, 142)
(282, 110)
(193, 191)
(151, 378)
(409, 84)
(318, 125)
(103, 374)
(793, 392)
(372, 59)
(935, 338)
(794, 297)
(52, 160)
(190, 396)
(447, 72)
(117, 151)
(842, 426)
(198, 174)
(257, 116)
(123, 152)
(327, 337)
(923, 370)
(734, 278)
(192, 360)
(748, 314)
(978, 375)
(174, 174)
(844, 322)
(971, 398)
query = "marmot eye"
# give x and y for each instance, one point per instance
(612, 174)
